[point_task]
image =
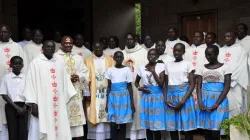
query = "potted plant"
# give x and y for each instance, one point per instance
(238, 127)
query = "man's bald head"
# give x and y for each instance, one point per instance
(67, 44)
(66, 39)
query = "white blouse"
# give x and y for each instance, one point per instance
(147, 77)
(178, 72)
(213, 75)
(117, 75)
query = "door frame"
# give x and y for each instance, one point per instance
(197, 13)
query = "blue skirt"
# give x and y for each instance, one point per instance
(119, 104)
(212, 120)
(184, 119)
(152, 109)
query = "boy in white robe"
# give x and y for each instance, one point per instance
(34, 47)
(79, 76)
(172, 40)
(8, 49)
(134, 57)
(47, 91)
(236, 57)
(79, 48)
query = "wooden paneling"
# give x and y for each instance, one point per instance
(198, 21)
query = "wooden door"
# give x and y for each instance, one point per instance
(199, 21)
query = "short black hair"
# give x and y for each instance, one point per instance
(7, 26)
(118, 52)
(200, 32)
(14, 58)
(152, 50)
(213, 34)
(36, 30)
(173, 29)
(182, 46)
(244, 25)
(214, 47)
(133, 35)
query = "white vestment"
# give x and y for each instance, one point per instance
(7, 51)
(49, 86)
(58, 46)
(216, 44)
(75, 106)
(135, 58)
(236, 57)
(101, 130)
(111, 52)
(32, 50)
(144, 46)
(245, 42)
(170, 46)
(196, 55)
(83, 51)
(23, 43)
(166, 58)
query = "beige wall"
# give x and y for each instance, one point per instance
(8, 16)
(159, 15)
(112, 17)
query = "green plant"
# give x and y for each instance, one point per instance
(241, 123)
(138, 18)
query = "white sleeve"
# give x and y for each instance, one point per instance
(3, 87)
(190, 67)
(108, 74)
(198, 71)
(166, 69)
(227, 70)
(139, 71)
(161, 67)
(129, 76)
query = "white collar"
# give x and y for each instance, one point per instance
(98, 58)
(60, 52)
(13, 75)
(136, 48)
(200, 46)
(42, 56)
(32, 42)
(9, 42)
(173, 40)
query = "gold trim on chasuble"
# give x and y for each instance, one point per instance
(74, 107)
(89, 62)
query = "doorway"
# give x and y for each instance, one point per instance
(205, 21)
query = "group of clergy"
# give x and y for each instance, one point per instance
(65, 87)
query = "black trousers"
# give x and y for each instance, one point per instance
(17, 125)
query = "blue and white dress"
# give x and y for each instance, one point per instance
(212, 86)
(152, 105)
(185, 119)
(119, 101)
